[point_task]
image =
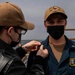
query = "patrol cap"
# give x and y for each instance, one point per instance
(11, 15)
(54, 10)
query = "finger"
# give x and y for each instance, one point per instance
(36, 43)
(41, 47)
(46, 51)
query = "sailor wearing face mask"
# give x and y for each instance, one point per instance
(12, 26)
(61, 59)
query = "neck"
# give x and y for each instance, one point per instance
(57, 42)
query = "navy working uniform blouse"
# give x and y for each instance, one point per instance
(63, 67)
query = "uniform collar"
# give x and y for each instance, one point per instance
(7, 49)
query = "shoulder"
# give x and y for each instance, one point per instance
(73, 42)
(4, 59)
(44, 42)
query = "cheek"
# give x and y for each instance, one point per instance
(15, 37)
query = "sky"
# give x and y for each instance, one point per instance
(34, 10)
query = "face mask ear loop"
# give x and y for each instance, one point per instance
(10, 38)
(19, 37)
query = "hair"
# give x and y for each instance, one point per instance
(1, 28)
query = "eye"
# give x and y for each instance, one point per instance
(50, 22)
(60, 21)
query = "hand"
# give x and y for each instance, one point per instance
(42, 52)
(31, 46)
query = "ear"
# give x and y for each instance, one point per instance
(65, 23)
(10, 30)
(45, 24)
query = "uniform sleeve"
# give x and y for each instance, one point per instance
(21, 52)
(37, 66)
(17, 67)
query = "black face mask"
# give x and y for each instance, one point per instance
(55, 31)
(13, 43)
